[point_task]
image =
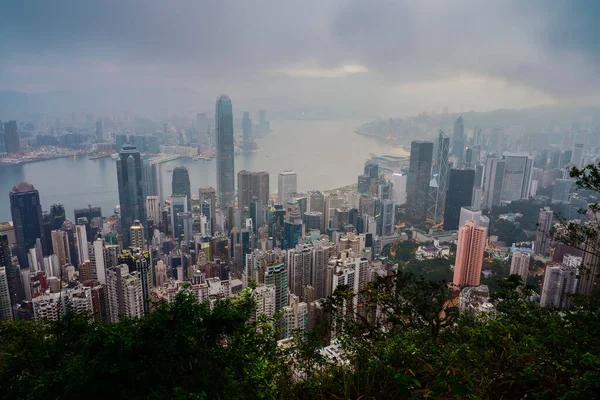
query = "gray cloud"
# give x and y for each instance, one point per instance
(301, 49)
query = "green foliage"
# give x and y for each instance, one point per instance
(508, 232)
(400, 335)
(181, 350)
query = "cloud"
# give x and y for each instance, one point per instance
(315, 72)
(344, 50)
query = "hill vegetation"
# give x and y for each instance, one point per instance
(402, 340)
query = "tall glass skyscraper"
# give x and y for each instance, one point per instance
(224, 147)
(26, 213)
(417, 183)
(131, 190)
(2, 143)
(460, 194)
(458, 140)
(181, 184)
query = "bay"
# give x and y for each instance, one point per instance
(325, 154)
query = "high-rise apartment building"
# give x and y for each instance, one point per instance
(12, 141)
(287, 186)
(417, 184)
(225, 150)
(469, 255)
(542, 236)
(26, 211)
(559, 282)
(98, 261)
(460, 194)
(589, 268)
(131, 191)
(277, 275)
(519, 265)
(252, 185)
(5, 298)
(494, 179)
(264, 296)
(136, 233)
(295, 317)
(125, 294)
(82, 244)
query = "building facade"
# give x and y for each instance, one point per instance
(225, 151)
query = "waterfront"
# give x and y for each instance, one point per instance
(325, 154)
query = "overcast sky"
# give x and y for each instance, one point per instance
(379, 57)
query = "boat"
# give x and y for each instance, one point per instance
(114, 156)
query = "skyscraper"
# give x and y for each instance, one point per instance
(439, 182)
(561, 191)
(57, 211)
(26, 213)
(559, 281)
(136, 233)
(178, 205)
(99, 132)
(11, 137)
(469, 255)
(225, 150)
(277, 275)
(542, 235)
(5, 298)
(577, 155)
(181, 184)
(252, 185)
(247, 128)
(460, 194)
(82, 244)
(458, 140)
(287, 185)
(209, 195)
(125, 294)
(494, 178)
(417, 184)
(517, 176)
(519, 265)
(131, 190)
(2, 140)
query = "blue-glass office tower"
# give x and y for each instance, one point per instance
(292, 234)
(460, 194)
(417, 182)
(131, 191)
(225, 151)
(181, 184)
(27, 219)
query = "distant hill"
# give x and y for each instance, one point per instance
(535, 119)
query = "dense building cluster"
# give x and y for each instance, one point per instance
(292, 249)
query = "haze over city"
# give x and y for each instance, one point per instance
(350, 57)
(300, 200)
